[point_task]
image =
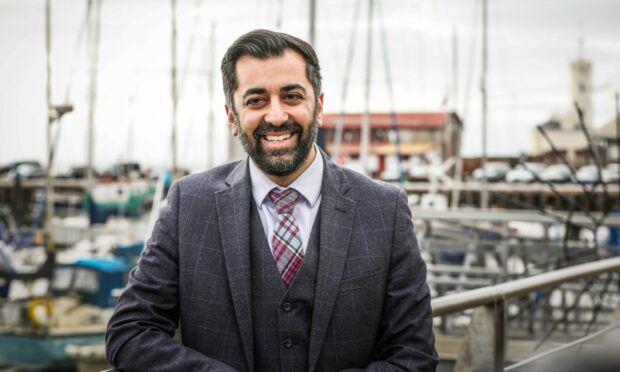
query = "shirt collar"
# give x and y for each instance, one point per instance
(305, 184)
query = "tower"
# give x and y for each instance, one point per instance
(581, 91)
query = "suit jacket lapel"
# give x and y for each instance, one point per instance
(233, 212)
(337, 216)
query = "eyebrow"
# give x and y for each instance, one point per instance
(289, 87)
(286, 88)
(252, 91)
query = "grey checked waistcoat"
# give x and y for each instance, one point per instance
(281, 317)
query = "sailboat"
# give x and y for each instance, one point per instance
(47, 304)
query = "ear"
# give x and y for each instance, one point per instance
(319, 111)
(231, 121)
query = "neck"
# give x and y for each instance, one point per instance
(285, 181)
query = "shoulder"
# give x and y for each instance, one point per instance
(363, 187)
(210, 181)
(357, 179)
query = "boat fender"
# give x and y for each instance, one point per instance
(40, 311)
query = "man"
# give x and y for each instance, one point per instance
(281, 262)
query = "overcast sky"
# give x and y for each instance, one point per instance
(531, 43)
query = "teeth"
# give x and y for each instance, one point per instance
(278, 138)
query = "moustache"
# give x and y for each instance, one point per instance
(265, 128)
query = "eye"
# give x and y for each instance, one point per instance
(255, 101)
(293, 97)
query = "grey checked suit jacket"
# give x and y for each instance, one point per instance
(371, 307)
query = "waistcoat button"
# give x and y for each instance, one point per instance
(288, 343)
(287, 306)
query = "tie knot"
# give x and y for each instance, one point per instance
(284, 200)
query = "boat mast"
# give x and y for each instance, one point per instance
(365, 130)
(484, 194)
(49, 210)
(458, 165)
(345, 84)
(312, 28)
(173, 88)
(93, 42)
(211, 87)
(130, 124)
(54, 113)
(617, 160)
(455, 68)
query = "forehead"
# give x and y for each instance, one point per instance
(273, 72)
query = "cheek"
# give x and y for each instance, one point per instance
(307, 115)
(249, 122)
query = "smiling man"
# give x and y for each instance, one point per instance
(276, 111)
(283, 261)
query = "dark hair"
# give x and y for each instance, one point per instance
(263, 44)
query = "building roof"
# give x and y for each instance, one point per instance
(403, 119)
(385, 148)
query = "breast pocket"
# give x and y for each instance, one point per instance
(362, 294)
(361, 281)
(357, 312)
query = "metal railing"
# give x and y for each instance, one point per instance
(577, 343)
(484, 346)
(460, 215)
(485, 341)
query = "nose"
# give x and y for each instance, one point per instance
(276, 113)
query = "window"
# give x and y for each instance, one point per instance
(86, 280)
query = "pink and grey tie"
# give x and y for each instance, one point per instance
(286, 241)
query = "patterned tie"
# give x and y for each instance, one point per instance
(286, 242)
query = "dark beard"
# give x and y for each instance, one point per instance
(273, 163)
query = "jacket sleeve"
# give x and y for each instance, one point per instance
(406, 341)
(140, 333)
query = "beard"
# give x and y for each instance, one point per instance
(281, 162)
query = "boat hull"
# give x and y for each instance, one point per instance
(38, 352)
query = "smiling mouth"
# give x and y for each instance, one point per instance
(279, 143)
(272, 133)
(279, 137)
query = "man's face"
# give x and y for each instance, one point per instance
(276, 116)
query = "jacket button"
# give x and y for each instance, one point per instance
(288, 343)
(287, 306)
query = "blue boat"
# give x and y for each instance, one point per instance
(34, 332)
